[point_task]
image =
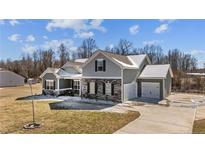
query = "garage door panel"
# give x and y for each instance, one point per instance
(151, 90)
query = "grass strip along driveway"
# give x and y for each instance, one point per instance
(14, 114)
(199, 126)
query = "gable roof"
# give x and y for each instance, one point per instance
(71, 63)
(64, 74)
(138, 59)
(132, 62)
(118, 57)
(50, 70)
(156, 71)
(81, 60)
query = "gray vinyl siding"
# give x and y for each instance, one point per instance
(150, 80)
(49, 76)
(142, 66)
(168, 84)
(129, 75)
(65, 83)
(112, 69)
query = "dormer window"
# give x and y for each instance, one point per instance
(100, 65)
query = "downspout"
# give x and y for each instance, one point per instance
(58, 90)
(122, 86)
(163, 88)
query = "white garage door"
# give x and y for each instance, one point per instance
(151, 90)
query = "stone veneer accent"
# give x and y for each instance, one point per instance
(117, 89)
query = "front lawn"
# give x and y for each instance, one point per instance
(14, 114)
(199, 126)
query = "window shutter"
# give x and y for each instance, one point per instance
(96, 88)
(54, 86)
(112, 89)
(104, 65)
(88, 87)
(103, 88)
(96, 65)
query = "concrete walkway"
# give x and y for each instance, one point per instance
(160, 119)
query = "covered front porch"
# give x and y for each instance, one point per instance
(63, 86)
(70, 87)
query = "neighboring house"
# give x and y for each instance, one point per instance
(10, 79)
(64, 80)
(113, 77)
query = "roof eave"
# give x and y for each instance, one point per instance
(151, 77)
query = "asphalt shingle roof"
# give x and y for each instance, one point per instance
(155, 71)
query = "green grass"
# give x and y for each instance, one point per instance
(199, 126)
(14, 114)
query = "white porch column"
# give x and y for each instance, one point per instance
(58, 86)
(80, 90)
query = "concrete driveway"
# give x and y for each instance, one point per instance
(156, 119)
(160, 119)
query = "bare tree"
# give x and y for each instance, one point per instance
(154, 53)
(63, 54)
(110, 49)
(87, 48)
(124, 47)
(47, 58)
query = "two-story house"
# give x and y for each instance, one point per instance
(119, 78)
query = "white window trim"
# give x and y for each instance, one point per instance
(50, 84)
(108, 88)
(92, 87)
(76, 85)
(98, 64)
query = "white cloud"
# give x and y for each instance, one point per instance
(161, 29)
(201, 63)
(29, 48)
(2, 22)
(169, 21)
(45, 37)
(164, 26)
(111, 46)
(81, 27)
(96, 24)
(14, 22)
(14, 37)
(54, 44)
(134, 29)
(152, 42)
(84, 34)
(30, 38)
(66, 24)
(197, 52)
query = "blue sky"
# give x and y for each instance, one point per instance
(18, 37)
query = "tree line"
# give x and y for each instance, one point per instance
(32, 65)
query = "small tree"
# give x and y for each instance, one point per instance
(33, 124)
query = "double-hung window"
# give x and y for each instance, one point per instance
(50, 84)
(100, 65)
(76, 85)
